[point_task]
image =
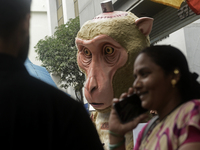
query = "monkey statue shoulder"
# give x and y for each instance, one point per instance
(107, 47)
(100, 120)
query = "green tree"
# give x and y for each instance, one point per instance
(58, 55)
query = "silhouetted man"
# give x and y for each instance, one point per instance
(34, 115)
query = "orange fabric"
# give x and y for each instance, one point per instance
(173, 3)
(194, 5)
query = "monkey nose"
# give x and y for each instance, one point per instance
(91, 84)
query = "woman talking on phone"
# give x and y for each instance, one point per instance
(163, 83)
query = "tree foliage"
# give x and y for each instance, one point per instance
(58, 55)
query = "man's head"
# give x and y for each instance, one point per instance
(14, 27)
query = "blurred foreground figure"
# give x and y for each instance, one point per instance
(34, 115)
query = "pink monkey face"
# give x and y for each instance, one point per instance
(100, 58)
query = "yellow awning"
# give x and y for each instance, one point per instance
(173, 3)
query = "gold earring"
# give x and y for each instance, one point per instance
(176, 71)
(173, 82)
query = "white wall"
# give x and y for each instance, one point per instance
(68, 10)
(52, 15)
(176, 39)
(88, 9)
(39, 6)
(192, 36)
(38, 27)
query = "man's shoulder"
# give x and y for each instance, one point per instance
(40, 89)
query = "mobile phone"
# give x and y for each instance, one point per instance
(129, 108)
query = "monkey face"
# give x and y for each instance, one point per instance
(100, 58)
(107, 48)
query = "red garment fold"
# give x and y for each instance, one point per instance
(194, 5)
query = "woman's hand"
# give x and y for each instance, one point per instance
(114, 123)
(115, 126)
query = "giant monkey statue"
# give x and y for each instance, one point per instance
(107, 47)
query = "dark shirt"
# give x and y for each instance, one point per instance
(35, 115)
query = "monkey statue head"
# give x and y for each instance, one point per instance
(107, 48)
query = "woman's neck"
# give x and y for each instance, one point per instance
(171, 105)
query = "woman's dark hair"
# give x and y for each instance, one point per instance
(11, 13)
(170, 58)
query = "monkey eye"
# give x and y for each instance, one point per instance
(87, 52)
(109, 50)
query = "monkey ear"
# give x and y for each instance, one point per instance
(144, 24)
